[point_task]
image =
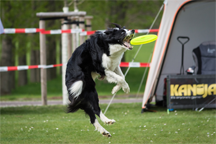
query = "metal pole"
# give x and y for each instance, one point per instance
(82, 26)
(69, 43)
(64, 60)
(74, 41)
(43, 62)
(88, 24)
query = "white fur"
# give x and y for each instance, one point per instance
(127, 32)
(101, 129)
(105, 119)
(116, 89)
(76, 88)
(112, 69)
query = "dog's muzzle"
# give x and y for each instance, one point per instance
(126, 41)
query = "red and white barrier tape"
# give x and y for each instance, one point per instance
(25, 67)
(35, 30)
(146, 30)
(26, 30)
(134, 64)
(62, 31)
(84, 33)
(59, 31)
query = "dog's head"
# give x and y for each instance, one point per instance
(120, 35)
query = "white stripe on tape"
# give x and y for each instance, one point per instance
(83, 33)
(134, 64)
(22, 67)
(3, 69)
(101, 30)
(7, 30)
(76, 30)
(55, 32)
(30, 30)
(48, 66)
(143, 30)
(41, 66)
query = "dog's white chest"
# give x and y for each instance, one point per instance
(111, 63)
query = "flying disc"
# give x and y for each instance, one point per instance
(144, 39)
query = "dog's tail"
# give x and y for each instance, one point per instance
(76, 88)
(74, 92)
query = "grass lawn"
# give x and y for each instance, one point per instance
(50, 124)
(32, 91)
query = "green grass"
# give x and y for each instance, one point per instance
(32, 91)
(50, 124)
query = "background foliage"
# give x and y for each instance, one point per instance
(23, 49)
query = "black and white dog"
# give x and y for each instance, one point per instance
(98, 56)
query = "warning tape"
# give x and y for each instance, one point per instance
(134, 64)
(59, 31)
(25, 67)
(43, 31)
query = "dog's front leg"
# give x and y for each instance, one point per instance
(112, 77)
(118, 87)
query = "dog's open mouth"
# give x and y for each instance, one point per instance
(126, 41)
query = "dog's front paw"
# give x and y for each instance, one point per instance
(126, 88)
(110, 121)
(116, 89)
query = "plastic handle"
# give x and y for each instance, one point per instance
(183, 37)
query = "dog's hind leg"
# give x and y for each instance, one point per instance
(94, 103)
(105, 119)
(95, 122)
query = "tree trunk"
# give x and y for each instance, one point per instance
(22, 75)
(35, 51)
(35, 60)
(51, 57)
(7, 79)
(51, 44)
(38, 74)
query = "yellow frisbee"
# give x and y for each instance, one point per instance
(144, 39)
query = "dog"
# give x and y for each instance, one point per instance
(98, 57)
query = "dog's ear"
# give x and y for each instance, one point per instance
(124, 27)
(118, 26)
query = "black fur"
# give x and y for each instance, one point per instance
(87, 58)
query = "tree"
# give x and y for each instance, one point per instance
(22, 75)
(34, 44)
(52, 39)
(7, 79)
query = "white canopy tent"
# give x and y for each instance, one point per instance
(189, 18)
